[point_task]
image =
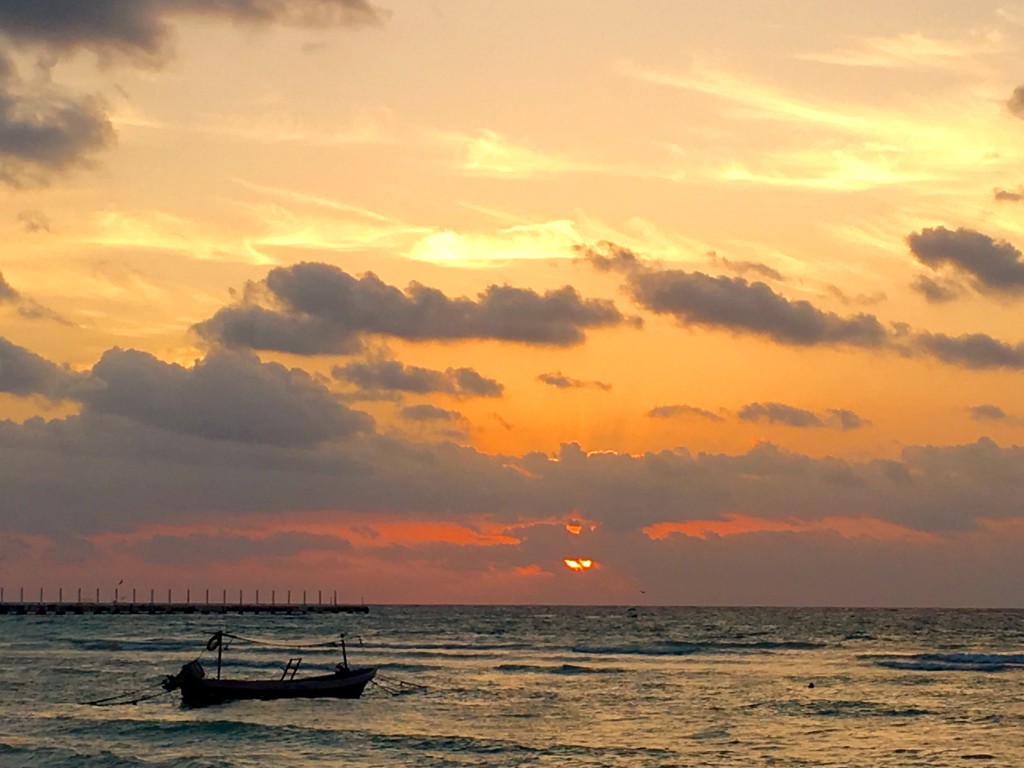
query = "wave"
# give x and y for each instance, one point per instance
(559, 669)
(58, 757)
(951, 662)
(681, 648)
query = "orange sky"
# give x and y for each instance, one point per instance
(392, 298)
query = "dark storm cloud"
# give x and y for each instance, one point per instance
(937, 291)
(427, 412)
(392, 375)
(779, 413)
(992, 265)
(44, 131)
(975, 350)
(1016, 102)
(25, 373)
(673, 411)
(226, 396)
(139, 29)
(560, 381)
(737, 305)
(987, 412)
(320, 309)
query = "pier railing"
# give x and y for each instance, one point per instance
(154, 606)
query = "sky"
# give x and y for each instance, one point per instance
(587, 302)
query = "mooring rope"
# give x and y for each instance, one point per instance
(126, 697)
(275, 644)
(394, 686)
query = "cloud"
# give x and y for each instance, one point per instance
(140, 29)
(733, 303)
(737, 305)
(7, 293)
(199, 549)
(790, 416)
(606, 256)
(845, 420)
(558, 380)
(44, 131)
(28, 308)
(392, 375)
(227, 396)
(974, 350)
(1008, 195)
(992, 265)
(743, 268)
(988, 412)
(427, 412)
(937, 291)
(320, 309)
(1016, 102)
(674, 411)
(779, 413)
(34, 221)
(24, 373)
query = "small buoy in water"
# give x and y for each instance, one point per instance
(810, 685)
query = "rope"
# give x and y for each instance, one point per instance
(125, 697)
(394, 686)
(274, 644)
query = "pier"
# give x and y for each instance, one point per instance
(153, 607)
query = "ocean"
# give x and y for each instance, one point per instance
(532, 686)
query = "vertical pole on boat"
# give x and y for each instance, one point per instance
(273, 595)
(60, 595)
(220, 650)
(335, 597)
(151, 593)
(207, 597)
(320, 597)
(289, 597)
(188, 595)
(224, 597)
(97, 595)
(21, 595)
(79, 594)
(133, 595)
(40, 594)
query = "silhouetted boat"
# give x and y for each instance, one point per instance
(198, 690)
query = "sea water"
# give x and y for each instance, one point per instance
(531, 686)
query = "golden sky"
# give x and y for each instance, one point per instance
(425, 301)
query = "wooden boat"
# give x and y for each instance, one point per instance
(198, 690)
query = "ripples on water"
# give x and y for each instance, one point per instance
(535, 687)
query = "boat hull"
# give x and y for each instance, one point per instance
(347, 684)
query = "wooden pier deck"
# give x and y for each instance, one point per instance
(154, 609)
